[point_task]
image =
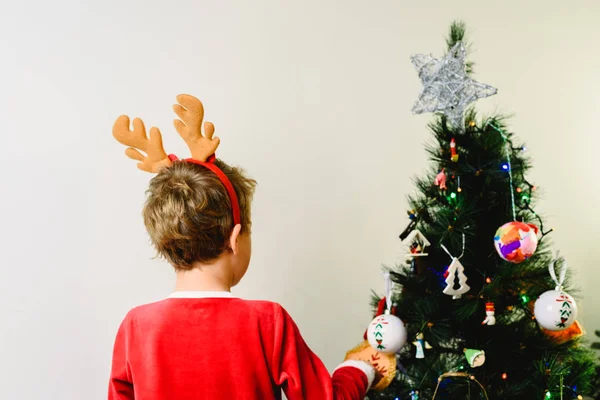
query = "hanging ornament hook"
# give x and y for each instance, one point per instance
(562, 275)
(450, 254)
(389, 286)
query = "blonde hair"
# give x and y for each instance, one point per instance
(188, 212)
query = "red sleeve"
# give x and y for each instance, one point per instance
(302, 375)
(121, 384)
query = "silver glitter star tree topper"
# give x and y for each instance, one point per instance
(447, 87)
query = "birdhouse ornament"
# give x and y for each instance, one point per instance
(416, 243)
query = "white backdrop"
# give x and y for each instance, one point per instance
(313, 98)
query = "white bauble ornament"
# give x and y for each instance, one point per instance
(386, 333)
(555, 310)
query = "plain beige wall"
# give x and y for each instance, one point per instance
(313, 98)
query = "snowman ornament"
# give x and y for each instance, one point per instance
(490, 311)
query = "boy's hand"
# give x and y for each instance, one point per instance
(384, 364)
(378, 377)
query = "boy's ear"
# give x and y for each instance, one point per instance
(234, 239)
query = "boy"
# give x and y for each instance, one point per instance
(202, 342)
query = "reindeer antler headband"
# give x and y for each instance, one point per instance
(202, 147)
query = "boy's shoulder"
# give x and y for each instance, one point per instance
(266, 308)
(261, 308)
(264, 305)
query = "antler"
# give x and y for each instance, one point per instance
(191, 112)
(156, 157)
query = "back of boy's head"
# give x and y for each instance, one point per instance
(188, 212)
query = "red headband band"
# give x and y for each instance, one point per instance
(210, 164)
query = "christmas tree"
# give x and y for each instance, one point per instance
(468, 292)
(596, 379)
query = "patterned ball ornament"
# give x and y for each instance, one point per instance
(555, 310)
(516, 241)
(387, 333)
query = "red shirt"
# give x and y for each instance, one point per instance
(219, 347)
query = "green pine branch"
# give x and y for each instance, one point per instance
(458, 31)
